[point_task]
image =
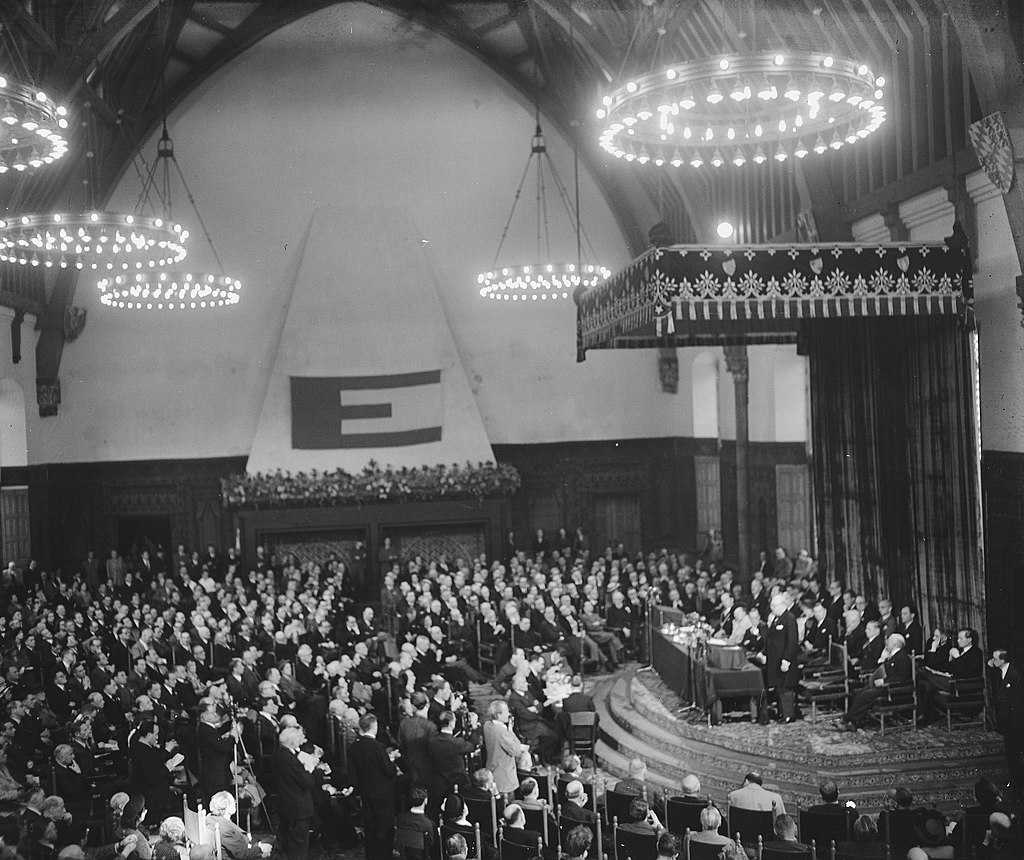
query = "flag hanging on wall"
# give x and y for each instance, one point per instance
(384, 411)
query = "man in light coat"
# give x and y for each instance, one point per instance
(754, 796)
(503, 748)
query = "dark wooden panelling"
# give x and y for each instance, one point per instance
(661, 471)
(1002, 483)
(76, 507)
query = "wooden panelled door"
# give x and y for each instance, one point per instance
(793, 505)
(15, 524)
(617, 518)
(709, 496)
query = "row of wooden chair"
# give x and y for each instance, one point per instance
(832, 685)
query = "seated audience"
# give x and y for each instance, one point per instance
(710, 822)
(754, 796)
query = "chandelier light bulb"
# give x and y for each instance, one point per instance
(862, 70)
(779, 59)
(837, 141)
(696, 160)
(800, 151)
(671, 74)
(738, 158)
(836, 93)
(716, 159)
(767, 91)
(631, 87)
(829, 62)
(780, 154)
(714, 94)
(687, 100)
(725, 230)
(723, 64)
(759, 156)
(792, 91)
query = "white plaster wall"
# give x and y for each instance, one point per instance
(1000, 337)
(352, 103)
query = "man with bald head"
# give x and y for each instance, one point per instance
(894, 670)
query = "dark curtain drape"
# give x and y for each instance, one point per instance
(895, 462)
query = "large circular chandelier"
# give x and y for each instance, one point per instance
(172, 291)
(542, 282)
(742, 109)
(31, 127)
(549, 282)
(100, 241)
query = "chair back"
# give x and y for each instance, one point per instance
(635, 846)
(769, 853)
(753, 822)
(537, 820)
(900, 830)
(195, 823)
(973, 828)
(583, 732)
(565, 825)
(515, 851)
(693, 850)
(682, 814)
(484, 813)
(410, 842)
(473, 849)
(824, 827)
(616, 805)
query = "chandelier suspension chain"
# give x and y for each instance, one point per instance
(574, 218)
(511, 214)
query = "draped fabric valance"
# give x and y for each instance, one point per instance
(687, 294)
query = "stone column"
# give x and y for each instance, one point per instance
(737, 365)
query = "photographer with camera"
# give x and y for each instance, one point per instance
(216, 735)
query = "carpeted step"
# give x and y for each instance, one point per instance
(634, 724)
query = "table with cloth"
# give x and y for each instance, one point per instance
(706, 674)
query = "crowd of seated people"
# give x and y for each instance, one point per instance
(259, 690)
(880, 641)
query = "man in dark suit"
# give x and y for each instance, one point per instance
(514, 829)
(575, 807)
(910, 628)
(152, 770)
(779, 661)
(894, 671)
(620, 621)
(829, 806)
(58, 699)
(785, 841)
(414, 733)
(71, 783)
(1009, 707)
(856, 633)
(874, 645)
(965, 661)
(448, 757)
(373, 773)
(577, 702)
(215, 739)
(294, 794)
(415, 820)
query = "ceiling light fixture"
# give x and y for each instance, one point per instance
(32, 127)
(790, 90)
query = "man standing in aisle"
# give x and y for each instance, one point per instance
(1009, 707)
(779, 659)
(374, 776)
(295, 794)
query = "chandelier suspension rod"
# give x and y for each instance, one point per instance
(199, 216)
(511, 214)
(574, 217)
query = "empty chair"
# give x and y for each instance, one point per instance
(965, 697)
(583, 732)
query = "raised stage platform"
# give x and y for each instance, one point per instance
(641, 716)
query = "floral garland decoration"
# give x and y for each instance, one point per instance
(372, 485)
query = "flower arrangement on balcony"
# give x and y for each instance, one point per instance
(374, 484)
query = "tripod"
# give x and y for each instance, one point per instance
(236, 778)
